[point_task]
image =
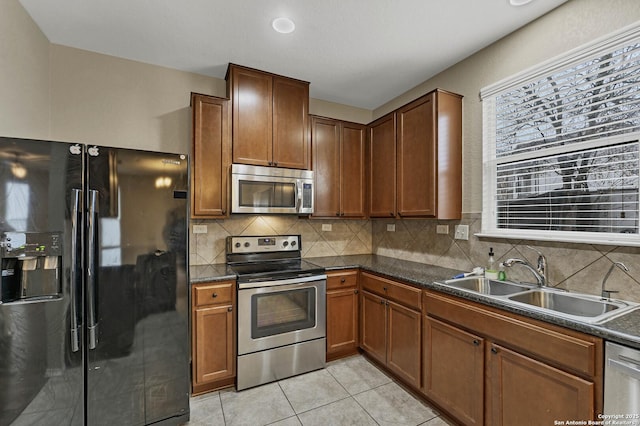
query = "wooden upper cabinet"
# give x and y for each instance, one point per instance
(251, 94)
(448, 166)
(325, 143)
(382, 173)
(416, 155)
(416, 159)
(210, 157)
(270, 118)
(338, 151)
(290, 123)
(353, 171)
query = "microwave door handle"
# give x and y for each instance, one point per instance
(298, 195)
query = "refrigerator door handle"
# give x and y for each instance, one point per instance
(91, 270)
(76, 197)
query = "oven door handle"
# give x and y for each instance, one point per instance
(275, 283)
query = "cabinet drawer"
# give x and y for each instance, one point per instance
(401, 293)
(566, 348)
(214, 293)
(338, 280)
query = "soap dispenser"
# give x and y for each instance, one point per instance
(491, 272)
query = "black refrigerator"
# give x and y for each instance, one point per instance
(94, 323)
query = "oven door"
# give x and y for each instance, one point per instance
(278, 313)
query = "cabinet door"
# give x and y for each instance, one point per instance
(417, 168)
(214, 344)
(382, 163)
(373, 325)
(453, 366)
(449, 141)
(403, 343)
(353, 171)
(325, 139)
(290, 123)
(251, 94)
(523, 391)
(210, 156)
(342, 321)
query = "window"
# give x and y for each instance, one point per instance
(561, 146)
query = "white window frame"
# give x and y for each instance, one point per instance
(628, 35)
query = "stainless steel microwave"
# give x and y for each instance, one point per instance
(264, 190)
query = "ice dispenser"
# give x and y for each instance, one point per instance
(31, 263)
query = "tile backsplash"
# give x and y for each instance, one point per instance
(575, 267)
(346, 236)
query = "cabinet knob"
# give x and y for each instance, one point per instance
(337, 213)
(343, 280)
(382, 302)
(476, 342)
(224, 211)
(391, 214)
(494, 350)
(384, 288)
(355, 291)
(214, 295)
(230, 308)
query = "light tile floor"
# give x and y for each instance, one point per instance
(350, 391)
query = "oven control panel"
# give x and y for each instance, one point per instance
(252, 244)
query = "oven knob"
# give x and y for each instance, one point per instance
(237, 245)
(247, 244)
(286, 243)
(293, 243)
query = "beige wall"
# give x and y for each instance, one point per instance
(24, 74)
(577, 267)
(574, 23)
(103, 100)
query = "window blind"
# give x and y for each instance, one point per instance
(561, 146)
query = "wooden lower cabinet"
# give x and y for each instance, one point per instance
(522, 390)
(486, 366)
(454, 370)
(213, 336)
(403, 342)
(373, 326)
(342, 314)
(390, 326)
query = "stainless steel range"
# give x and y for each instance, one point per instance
(281, 309)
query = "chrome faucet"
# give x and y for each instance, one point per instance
(540, 272)
(606, 294)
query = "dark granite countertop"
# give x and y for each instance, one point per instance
(624, 329)
(208, 273)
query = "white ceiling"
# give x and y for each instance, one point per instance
(361, 53)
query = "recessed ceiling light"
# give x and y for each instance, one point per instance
(283, 25)
(519, 2)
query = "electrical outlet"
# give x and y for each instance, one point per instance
(461, 232)
(326, 227)
(200, 229)
(391, 227)
(442, 229)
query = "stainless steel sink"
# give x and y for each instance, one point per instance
(487, 286)
(552, 301)
(583, 307)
